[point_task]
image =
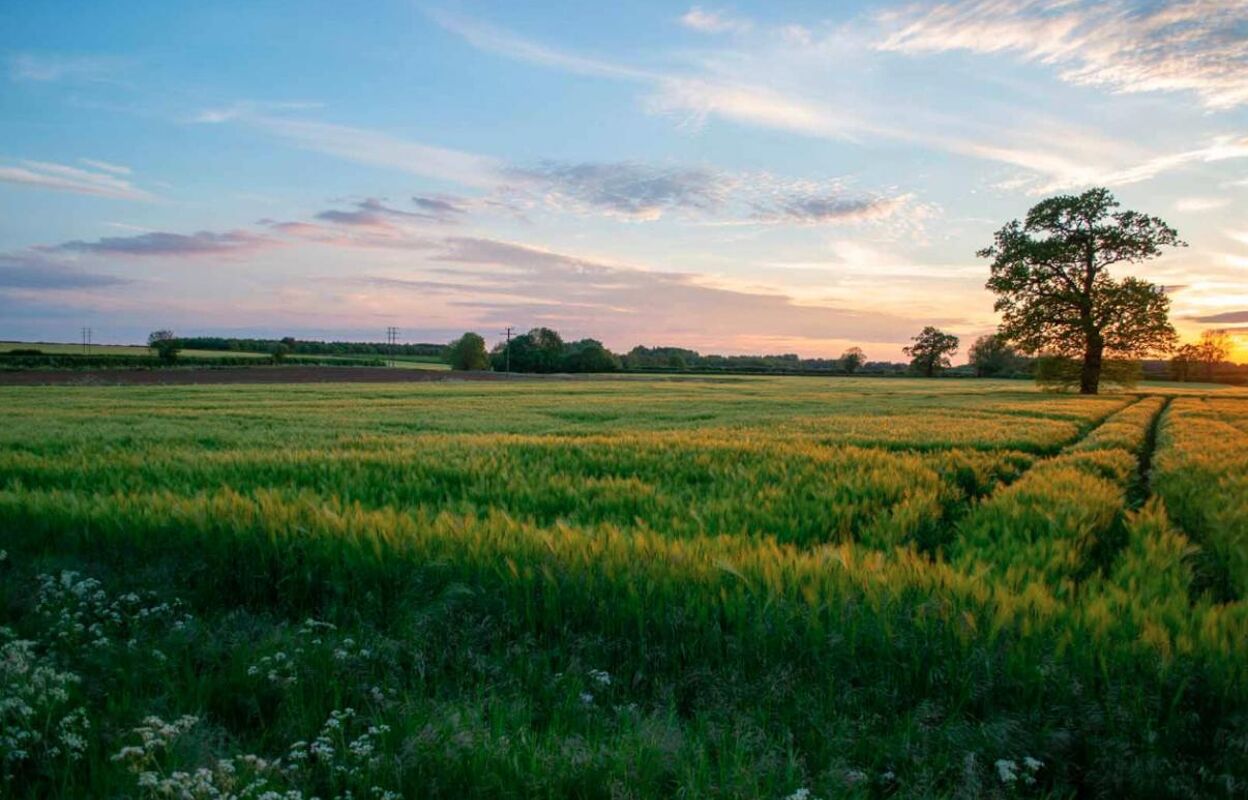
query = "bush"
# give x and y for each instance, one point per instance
(468, 353)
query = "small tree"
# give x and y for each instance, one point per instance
(1050, 274)
(931, 350)
(1213, 348)
(852, 360)
(589, 355)
(468, 353)
(992, 356)
(165, 344)
(1185, 358)
(280, 351)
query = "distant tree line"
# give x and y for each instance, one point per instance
(292, 346)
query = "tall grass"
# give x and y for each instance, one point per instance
(637, 590)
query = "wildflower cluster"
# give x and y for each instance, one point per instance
(336, 752)
(1009, 773)
(339, 755)
(38, 722)
(78, 613)
(283, 669)
(245, 777)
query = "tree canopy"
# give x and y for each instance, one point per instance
(853, 359)
(992, 356)
(468, 353)
(165, 344)
(1051, 276)
(931, 350)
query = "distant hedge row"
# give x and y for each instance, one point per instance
(9, 361)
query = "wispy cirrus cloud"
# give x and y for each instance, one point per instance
(1199, 46)
(106, 166)
(100, 181)
(710, 21)
(378, 149)
(51, 67)
(627, 190)
(496, 40)
(1197, 204)
(792, 79)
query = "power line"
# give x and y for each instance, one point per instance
(86, 340)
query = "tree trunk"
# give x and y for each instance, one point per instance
(1090, 377)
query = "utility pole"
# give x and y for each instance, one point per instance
(392, 339)
(507, 350)
(86, 340)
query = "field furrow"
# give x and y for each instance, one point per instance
(1063, 520)
(1201, 472)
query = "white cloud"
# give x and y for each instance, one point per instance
(378, 149)
(493, 40)
(795, 82)
(47, 68)
(61, 177)
(700, 19)
(116, 169)
(1181, 45)
(1201, 203)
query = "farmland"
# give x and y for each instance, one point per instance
(740, 587)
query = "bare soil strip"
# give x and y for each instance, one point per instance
(190, 376)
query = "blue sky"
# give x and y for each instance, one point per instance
(778, 177)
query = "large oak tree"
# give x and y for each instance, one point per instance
(1051, 276)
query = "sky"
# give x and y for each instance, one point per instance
(779, 177)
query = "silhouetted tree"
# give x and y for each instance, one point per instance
(931, 350)
(1185, 358)
(992, 356)
(853, 359)
(1213, 348)
(1050, 274)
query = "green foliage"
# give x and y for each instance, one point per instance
(468, 353)
(588, 355)
(165, 345)
(993, 357)
(305, 347)
(543, 350)
(1051, 276)
(931, 350)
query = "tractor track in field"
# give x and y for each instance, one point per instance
(948, 523)
(1141, 490)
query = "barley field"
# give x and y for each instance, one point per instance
(744, 587)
